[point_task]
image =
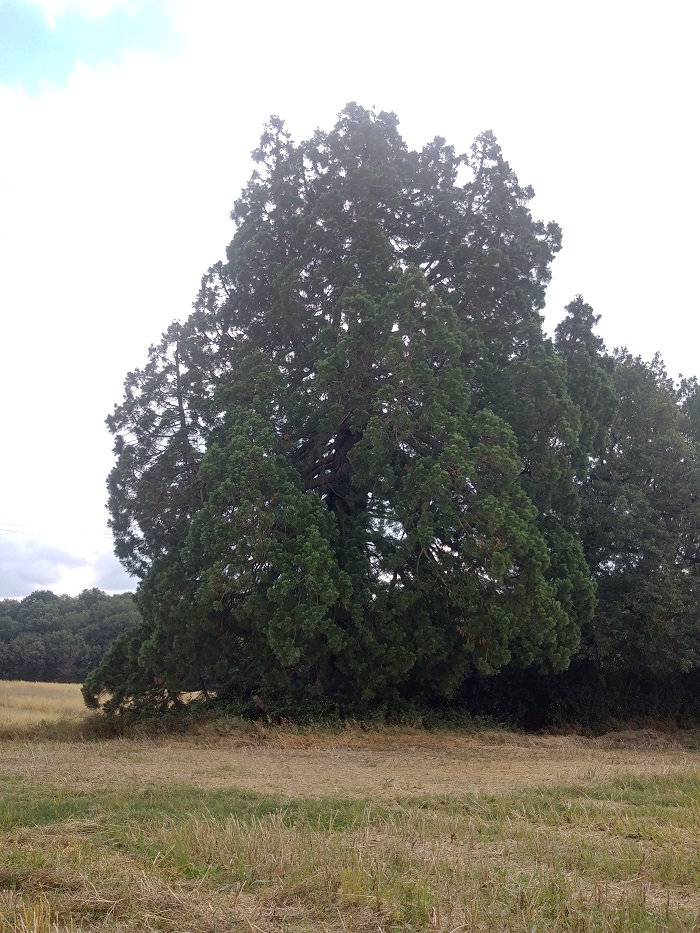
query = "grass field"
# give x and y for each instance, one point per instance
(24, 703)
(265, 829)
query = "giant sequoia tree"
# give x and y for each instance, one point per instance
(350, 475)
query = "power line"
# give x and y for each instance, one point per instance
(17, 529)
(15, 524)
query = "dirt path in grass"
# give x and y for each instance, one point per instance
(356, 765)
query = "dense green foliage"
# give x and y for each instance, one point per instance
(640, 528)
(60, 638)
(360, 476)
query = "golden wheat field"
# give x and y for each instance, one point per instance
(22, 702)
(251, 827)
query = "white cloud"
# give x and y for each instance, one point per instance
(59, 562)
(32, 564)
(56, 8)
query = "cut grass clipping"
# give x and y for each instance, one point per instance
(112, 838)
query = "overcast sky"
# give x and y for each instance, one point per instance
(127, 127)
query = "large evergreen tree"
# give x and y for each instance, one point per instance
(349, 476)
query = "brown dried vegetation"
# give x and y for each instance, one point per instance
(261, 828)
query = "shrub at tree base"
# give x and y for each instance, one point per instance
(352, 480)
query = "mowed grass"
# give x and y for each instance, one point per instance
(26, 703)
(263, 829)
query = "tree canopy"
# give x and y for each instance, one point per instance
(60, 638)
(354, 477)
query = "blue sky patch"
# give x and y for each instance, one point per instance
(33, 51)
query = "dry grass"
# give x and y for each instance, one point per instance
(265, 829)
(25, 703)
(354, 765)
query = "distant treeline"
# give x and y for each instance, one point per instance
(60, 638)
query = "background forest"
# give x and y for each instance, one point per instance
(60, 638)
(360, 480)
